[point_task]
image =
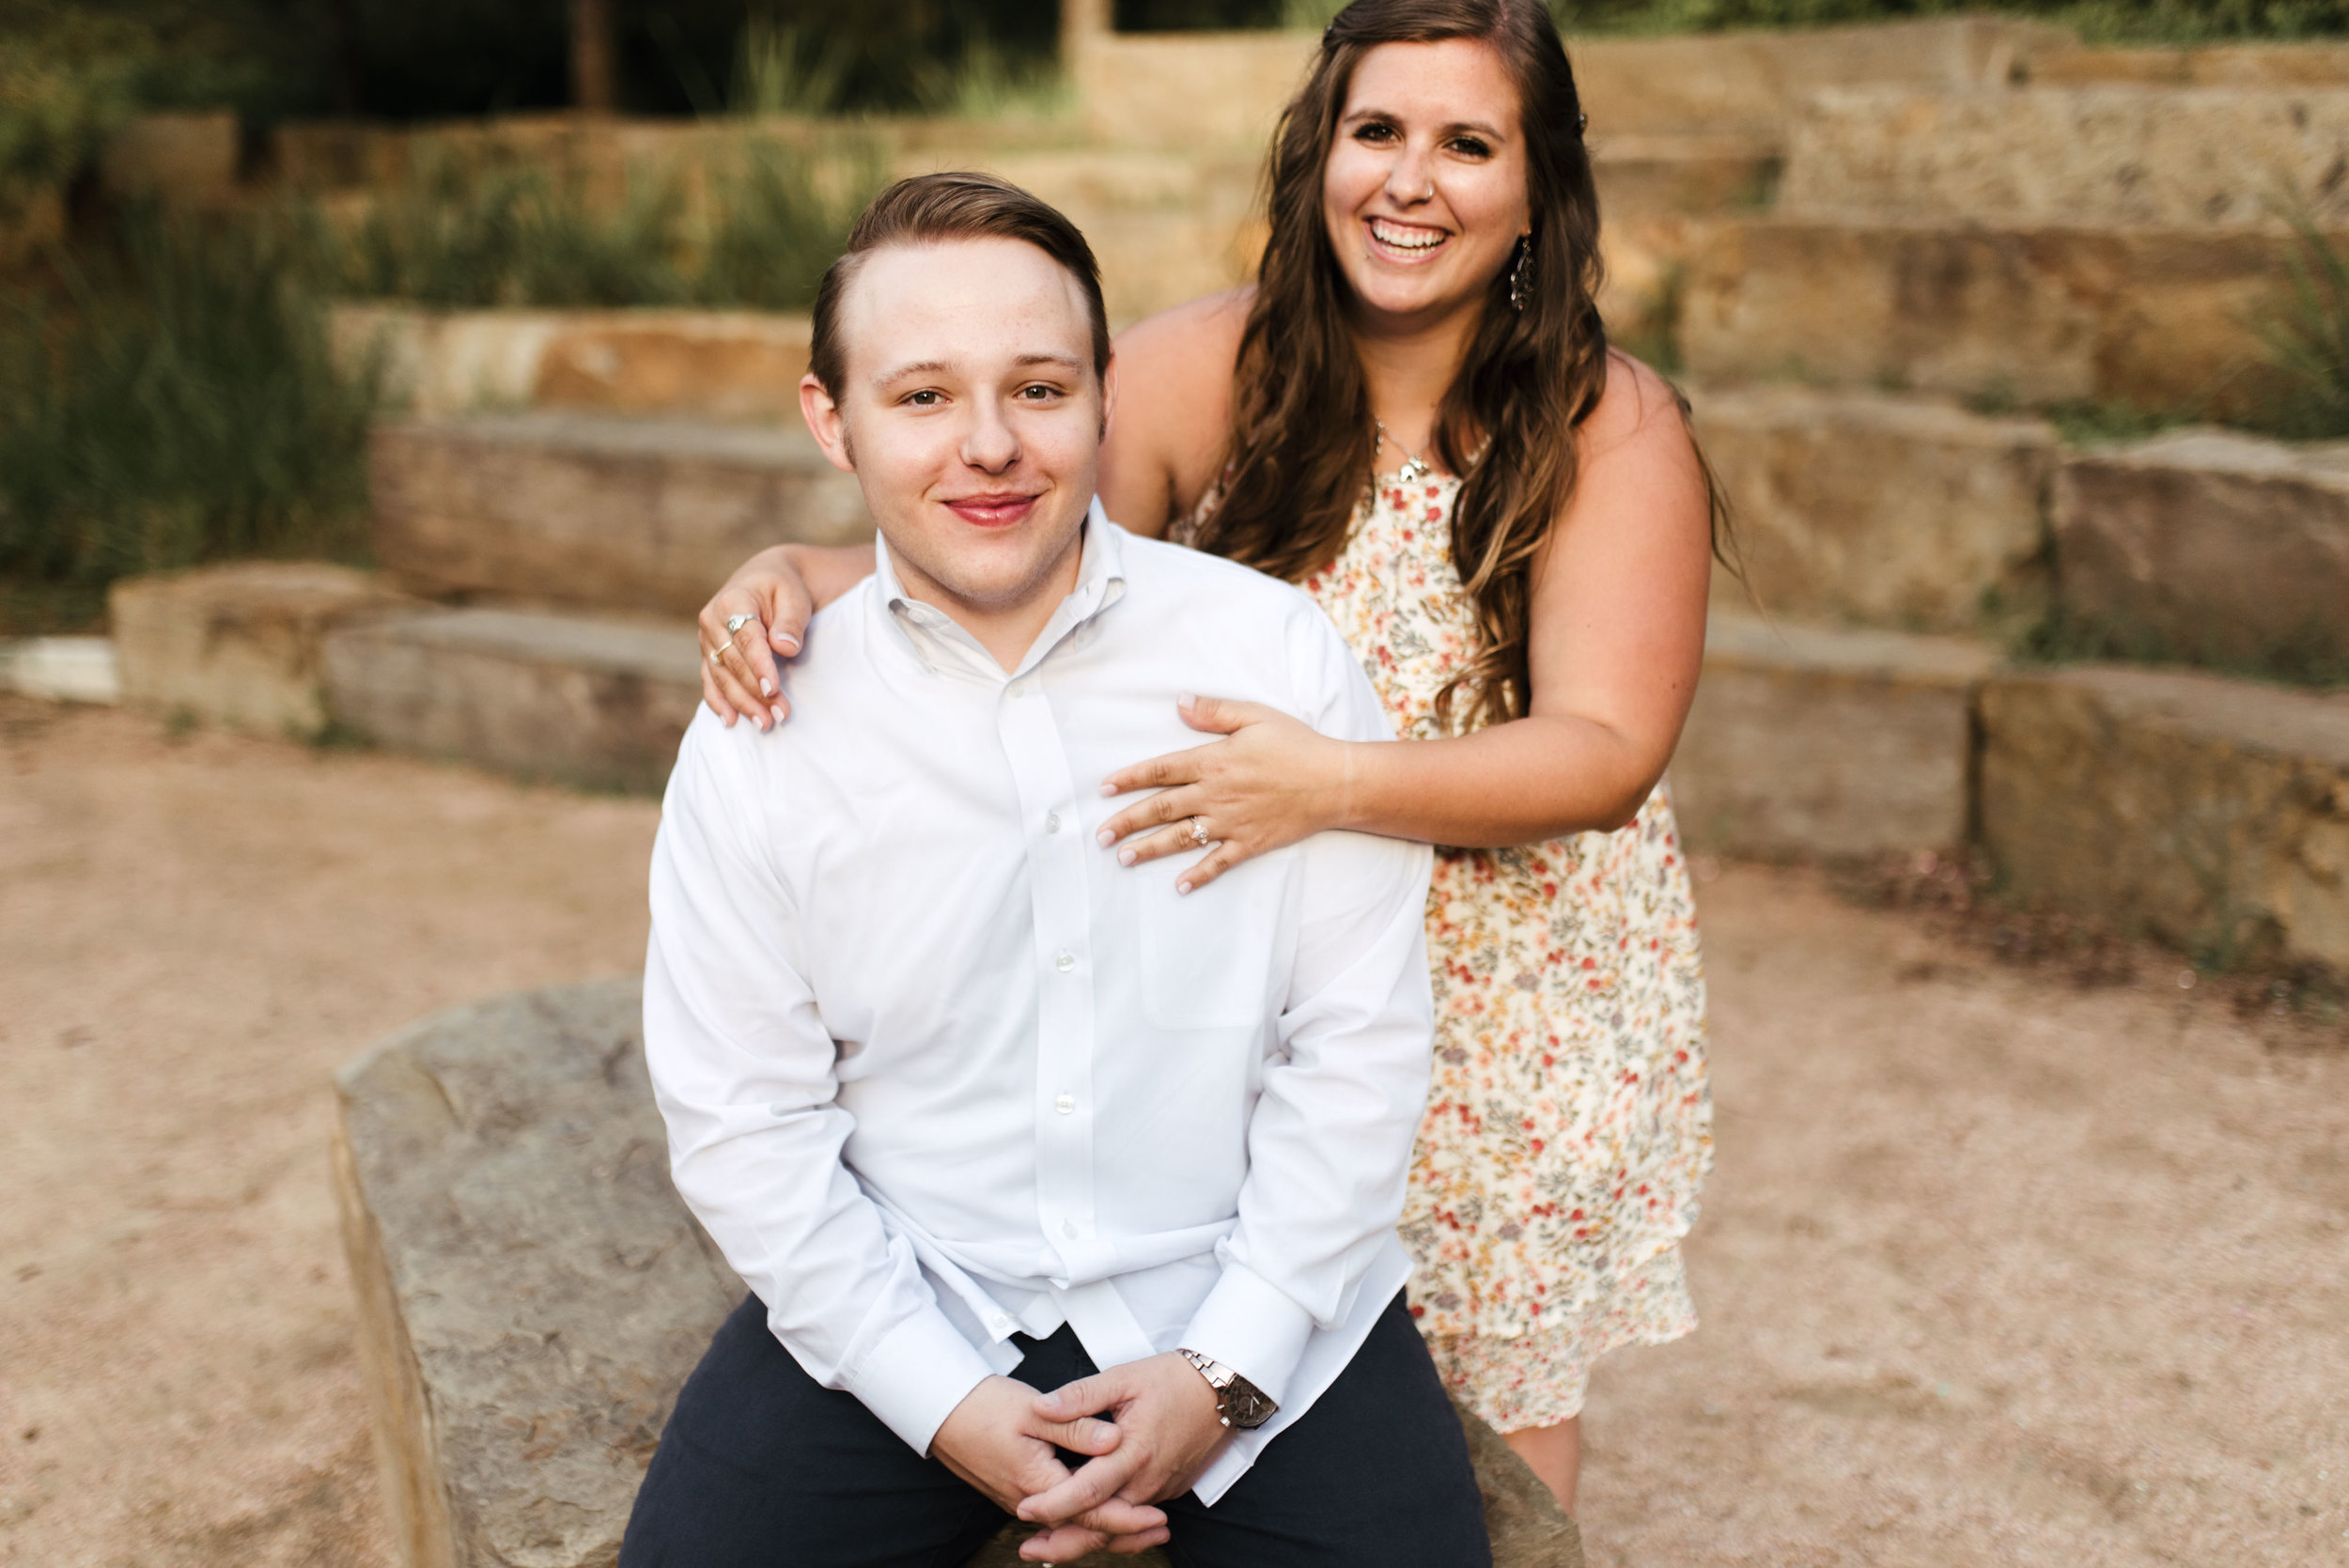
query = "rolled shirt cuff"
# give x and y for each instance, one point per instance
(914, 1376)
(1253, 1329)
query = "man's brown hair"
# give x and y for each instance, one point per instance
(930, 209)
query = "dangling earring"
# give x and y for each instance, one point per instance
(1522, 275)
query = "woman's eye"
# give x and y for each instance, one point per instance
(1472, 147)
(1376, 132)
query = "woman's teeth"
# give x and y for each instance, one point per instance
(1406, 239)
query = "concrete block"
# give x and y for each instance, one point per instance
(2211, 813)
(1640, 175)
(1814, 741)
(573, 508)
(2158, 318)
(61, 669)
(598, 701)
(2116, 156)
(178, 159)
(237, 644)
(531, 1292)
(2212, 544)
(1890, 511)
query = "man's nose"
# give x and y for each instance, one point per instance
(991, 444)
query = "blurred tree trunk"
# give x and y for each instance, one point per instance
(593, 73)
(1078, 21)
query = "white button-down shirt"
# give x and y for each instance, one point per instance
(936, 1069)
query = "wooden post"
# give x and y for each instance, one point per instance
(594, 85)
(1080, 20)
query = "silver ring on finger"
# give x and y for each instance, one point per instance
(736, 623)
(1199, 831)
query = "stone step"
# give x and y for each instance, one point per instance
(1810, 740)
(2271, 66)
(61, 669)
(607, 512)
(1901, 512)
(2142, 156)
(2151, 318)
(239, 645)
(2211, 813)
(2208, 545)
(724, 365)
(531, 1293)
(597, 701)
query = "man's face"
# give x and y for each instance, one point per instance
(970, 412)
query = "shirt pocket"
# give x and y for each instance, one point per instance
(1208, 957)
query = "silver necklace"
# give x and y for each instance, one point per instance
(1414, 467)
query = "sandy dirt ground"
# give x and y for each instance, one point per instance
(1998, 1267)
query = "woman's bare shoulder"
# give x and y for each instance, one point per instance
(1187, 351)
(1175, 407)
(1639, 411)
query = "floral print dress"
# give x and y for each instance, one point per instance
(1569, 1124)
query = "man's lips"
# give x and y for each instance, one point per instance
(993, 511)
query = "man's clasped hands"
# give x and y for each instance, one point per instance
(1162, 1427)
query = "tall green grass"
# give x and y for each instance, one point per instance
(174, 400)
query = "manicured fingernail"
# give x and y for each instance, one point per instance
(777, 712)
(1108, 790)
(1182, 887)
(1125, 856)
(787, 643)
(1186, 699)
(1105, 838)
(766, 687)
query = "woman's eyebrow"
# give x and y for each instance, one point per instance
(1474, 127)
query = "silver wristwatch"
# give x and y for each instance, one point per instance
(1237, 1401)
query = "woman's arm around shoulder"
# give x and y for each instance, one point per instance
(1173, 410)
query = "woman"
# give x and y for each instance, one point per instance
(1415, 413)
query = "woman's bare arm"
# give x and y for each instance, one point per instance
(1158, 458)
(1617, 638)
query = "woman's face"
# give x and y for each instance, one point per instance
(1424, 191)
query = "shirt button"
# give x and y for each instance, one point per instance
(1066, 1105)
(1068, 1229)
(1052, 822)
(1065, 962)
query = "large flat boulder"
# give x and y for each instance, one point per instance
(1828, 741)
(242, 644)
(604, 511)
(2211, 813)
(2209, 543)
(1888, 512)
(599, 701)
(533, 1292)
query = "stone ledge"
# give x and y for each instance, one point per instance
(2211, 813)
(592, 700)
(1899, 511)
(241, 644)
(2152, 318)
(531, 1292)
(2176, 157)
(611, 513)
(1809, 740)
(2212, 544)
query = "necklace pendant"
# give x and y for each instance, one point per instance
(1413, 471)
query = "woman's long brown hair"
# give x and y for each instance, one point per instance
(1302, 446)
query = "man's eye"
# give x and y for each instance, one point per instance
(1037, 391)
(925, 399)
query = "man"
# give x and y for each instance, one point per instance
(1004, 1137)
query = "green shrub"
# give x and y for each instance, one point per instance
(2305, 334)
(177, 402)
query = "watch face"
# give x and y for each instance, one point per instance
(1246, 1407)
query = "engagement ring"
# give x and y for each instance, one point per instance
(736, 623)
(1199, 831)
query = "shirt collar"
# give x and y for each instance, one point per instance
(942, 643)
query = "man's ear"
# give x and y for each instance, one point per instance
(1109, 394)
(825, 421)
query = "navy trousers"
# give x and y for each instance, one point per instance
(762, 1466)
